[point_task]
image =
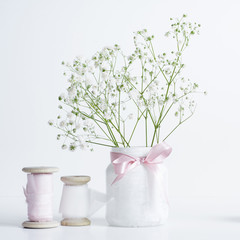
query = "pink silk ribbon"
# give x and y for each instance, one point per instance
(123, 163)
(38, 193)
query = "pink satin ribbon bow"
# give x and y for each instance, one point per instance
(123, 163)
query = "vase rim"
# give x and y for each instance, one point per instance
(136, 151)
(131, 147)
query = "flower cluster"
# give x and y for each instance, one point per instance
(111, 88)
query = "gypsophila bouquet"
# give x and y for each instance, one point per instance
(111, 89)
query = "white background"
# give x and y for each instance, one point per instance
(37, 35)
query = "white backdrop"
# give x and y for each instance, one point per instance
(37, 35)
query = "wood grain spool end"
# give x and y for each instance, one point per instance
(77, 222)
(40, 225)
(40, 169)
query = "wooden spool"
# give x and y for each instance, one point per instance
(40, 225)
(77, 222)
(40, 170)
(74, 181)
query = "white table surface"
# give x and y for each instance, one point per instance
(190, 218)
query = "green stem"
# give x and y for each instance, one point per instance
(181, 122)
(150, 83)
(123, 138)
(119, 115)
(154, 135)
(105, 121)
(142, 75)
(119, 108)
(166, 112)
(138, 119)
(104, 131)
(103, 138)
(166, 95)
(102, 144)
(151, 49)
(159, 119)
(158, 134)
(93, 105)
(146, 130)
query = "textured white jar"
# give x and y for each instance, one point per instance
(139, 199)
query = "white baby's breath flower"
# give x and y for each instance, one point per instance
(50, 122)
(83, 71)
(107, 115)
(62, 124)
(118, 82)
(82, 146)
(89, 81)
(71, 92)
(104, 75)
(72, 147)
(64, 146)
(62, 96)
(80, 139)
(102, 85)
(112, 82)
(130, 116)
(167, 71)
(123, 106)
(152, 89)
(157, 82)
(96, 64)
(160, 102)
(133, 94)
(69, 115)
(94, 90)
(107, 48)
(129, 58)
(87, 123)
(80, 58)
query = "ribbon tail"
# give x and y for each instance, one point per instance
(152, 167)
(166, 195)
(25, 193)
(154, 173)
(97, 201)
(120, 176)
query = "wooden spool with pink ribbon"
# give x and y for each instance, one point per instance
(39, 194)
